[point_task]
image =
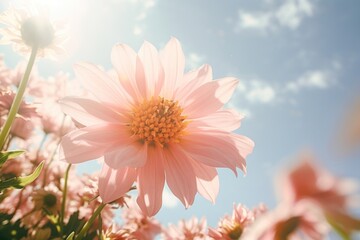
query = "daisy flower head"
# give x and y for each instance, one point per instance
(29, 26)
(152, 123)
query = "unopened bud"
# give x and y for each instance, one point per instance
(37, 32)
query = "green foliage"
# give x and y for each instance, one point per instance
(71, 236)
(339, 229)
(4, 156)
(71, 228)
(20, 182)
(11, 230)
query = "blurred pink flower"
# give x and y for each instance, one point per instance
(332, 195)
(4, 76)
(47, 199)
(233, 227)
(88, 201)
(30, 25)
(191, 229)
(349, 135)
(138, 225)
(26, 110)
(301, 221)
(153, 123)
(22, 128)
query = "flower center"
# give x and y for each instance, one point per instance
(37, 31)
(49, 200)
(158, 121)
(235, 233)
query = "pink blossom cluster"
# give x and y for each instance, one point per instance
(150, 124)
(311, 200)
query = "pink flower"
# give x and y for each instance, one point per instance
(88, 201)
(153, 123)
(137, 225)
(26, 110)
(301, 221)
(233, 227)
(191, 229)
(4, 76)
(309, 182)
(349, 135)
(22, 128)
(29, 25)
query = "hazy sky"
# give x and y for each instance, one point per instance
(298, 62)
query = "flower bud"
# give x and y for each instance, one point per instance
(37, 32)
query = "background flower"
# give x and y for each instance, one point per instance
(28, 26)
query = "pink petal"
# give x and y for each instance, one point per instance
(245, 146)
(88, 112)
(173, 61)
(208, 98)
(154, 72)
(123, 59)
(226, 88)
(114, 184)
(100, 84)
(151, 180)
(226, 120)
(213, 148)
(132, 154)
(140, 79)
(193, 80)
(180, 175)
(90, 142)
(207, 180)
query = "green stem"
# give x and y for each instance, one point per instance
(88, 224)
(18, 98)
(63, 204)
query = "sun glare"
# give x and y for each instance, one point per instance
(62, 9)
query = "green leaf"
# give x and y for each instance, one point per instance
(11, 230)
(338, 229)
(4, 156)
(20, 182)
(74, 223)
(71, 236)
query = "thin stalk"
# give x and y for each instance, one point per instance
(100, 227)
(62, 213)
(17, 101)
(88, 224)
(41, 144)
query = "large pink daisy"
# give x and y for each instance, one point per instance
(152, 123)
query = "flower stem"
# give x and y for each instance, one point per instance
(88, 224)
(17, 101)
(63, 204)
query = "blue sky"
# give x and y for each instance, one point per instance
(297, 61)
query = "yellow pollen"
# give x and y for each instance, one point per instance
(158, 121)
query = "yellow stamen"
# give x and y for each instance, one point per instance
(158, 122)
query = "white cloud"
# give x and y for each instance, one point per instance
(143, 6)
(320, 79)
(261, 92)
(289, 14)
(149, 3)
(194, 60)
(254, 20)
(256, 91)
